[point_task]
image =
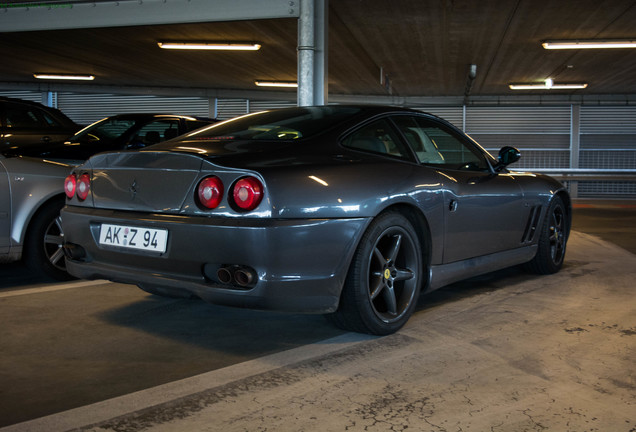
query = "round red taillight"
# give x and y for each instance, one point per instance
(70, 183)
(83, 186)
(248, 193)
(210, 192)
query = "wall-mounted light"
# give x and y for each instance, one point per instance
(549, 84)
(64, 76)
(222, 46)
(289, 84)
(589, 44)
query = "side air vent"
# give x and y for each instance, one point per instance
(531, 225)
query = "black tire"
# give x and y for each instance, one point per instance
(552, 240)
(384, 279)
(43, 252)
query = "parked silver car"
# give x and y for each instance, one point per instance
(31, 196)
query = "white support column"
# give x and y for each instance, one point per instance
(312, 53)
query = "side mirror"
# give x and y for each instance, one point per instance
(507, 156)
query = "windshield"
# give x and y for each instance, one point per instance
(107, 130)
(285, 124)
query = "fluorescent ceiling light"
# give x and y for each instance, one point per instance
(548, 85)
(276, 83)
(589, 43)
(64, 76)
(222, 46)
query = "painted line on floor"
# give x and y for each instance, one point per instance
(50, 288)
(129, 404)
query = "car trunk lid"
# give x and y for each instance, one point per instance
(143, 181)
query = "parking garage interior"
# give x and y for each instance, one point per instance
(505, 351)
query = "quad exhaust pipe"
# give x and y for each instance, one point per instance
(241, 276)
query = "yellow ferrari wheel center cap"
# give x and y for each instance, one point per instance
(387, 274)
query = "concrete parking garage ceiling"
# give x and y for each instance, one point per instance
(425, 47)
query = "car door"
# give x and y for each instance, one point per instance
(484, 212)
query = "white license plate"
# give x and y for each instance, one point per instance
(133, 237)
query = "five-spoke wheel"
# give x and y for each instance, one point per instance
(384, 279)
(553, 238)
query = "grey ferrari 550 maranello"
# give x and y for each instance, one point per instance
(351, 211)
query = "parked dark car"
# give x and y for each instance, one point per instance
(118, 132)
(24, 124)
(350, 211)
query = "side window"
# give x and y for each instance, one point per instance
(156, 132)
(436, 146)
(49, 120)
(376, 137)
(24, 117)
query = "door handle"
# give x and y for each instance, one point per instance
(452, 206)
(46, 138)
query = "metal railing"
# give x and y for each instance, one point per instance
(577, 174)
(594, 183)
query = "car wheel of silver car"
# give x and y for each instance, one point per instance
(552, 241)
(43, 251)
(384, 279)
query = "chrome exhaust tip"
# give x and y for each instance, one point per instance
(224, 275)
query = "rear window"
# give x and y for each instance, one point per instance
(286, 124)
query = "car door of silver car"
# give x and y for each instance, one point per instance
(484, 212)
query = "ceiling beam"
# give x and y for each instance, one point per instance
(139, 12)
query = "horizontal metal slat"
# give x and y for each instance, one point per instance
(497, 120)
(88, 108)
(608, 120)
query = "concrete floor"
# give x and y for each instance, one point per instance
(504, 352)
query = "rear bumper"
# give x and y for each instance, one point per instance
(300, 265)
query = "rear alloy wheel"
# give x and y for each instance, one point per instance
(384, 279)
(43, 251)
(552, 241)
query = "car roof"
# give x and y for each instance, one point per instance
(142, 116)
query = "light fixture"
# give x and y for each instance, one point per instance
(222, 46)
(288, 84)
(547, 85)
(589, 43)
(64, 76)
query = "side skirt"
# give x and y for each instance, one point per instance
(445, 274)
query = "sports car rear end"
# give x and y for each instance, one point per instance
(144, 218)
